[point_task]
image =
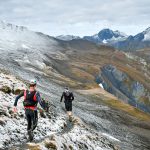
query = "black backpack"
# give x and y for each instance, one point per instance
(30, 98)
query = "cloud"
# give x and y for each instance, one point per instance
(80, 17)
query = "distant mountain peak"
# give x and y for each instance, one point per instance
(146, 34)
(106, 36)
(67, 37)
(106, 30)
(9, 26)
(120, 33)
(148, 29)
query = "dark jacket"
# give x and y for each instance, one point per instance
(68, 97)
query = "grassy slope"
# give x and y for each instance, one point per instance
(84, 63)
(101, 95)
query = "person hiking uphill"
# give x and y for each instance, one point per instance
(31, 99)
(68, 98)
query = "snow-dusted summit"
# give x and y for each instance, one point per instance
(106, 36)
(67, 37)
(9, 26)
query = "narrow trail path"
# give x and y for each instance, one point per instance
(68, 127)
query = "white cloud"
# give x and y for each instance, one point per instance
(80, 17)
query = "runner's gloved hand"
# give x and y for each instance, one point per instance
(15, 109)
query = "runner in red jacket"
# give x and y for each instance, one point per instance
(31, 99)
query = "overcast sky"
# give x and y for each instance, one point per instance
(77, 17)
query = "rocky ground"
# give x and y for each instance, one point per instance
(54, 131)
(101, 121)
(95, 126)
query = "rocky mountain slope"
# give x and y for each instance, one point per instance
(78, 64)
(125, 87)
(132, 43)
(53, 128)
(129, 74)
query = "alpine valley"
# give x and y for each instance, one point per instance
(109, 74)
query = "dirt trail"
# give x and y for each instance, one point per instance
(68, 127)
(96, 91)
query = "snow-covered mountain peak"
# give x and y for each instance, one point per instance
(146, 34)
(9, 26)
(67, 37)
(106, 36)
(109, 34)
(122, 34)
(147, 30)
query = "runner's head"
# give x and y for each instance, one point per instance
(32, 84)
(66, 89)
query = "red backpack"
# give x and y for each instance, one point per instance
(30, 98)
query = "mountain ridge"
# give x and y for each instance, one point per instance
(119, 40)
(79, 64)
(106, 36)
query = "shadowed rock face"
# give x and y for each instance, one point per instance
(125, 87)
(106, 36)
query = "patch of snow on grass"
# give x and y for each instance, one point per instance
(110, 137)
(101, 85)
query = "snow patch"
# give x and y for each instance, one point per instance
(67, 37)
(101, 85)
(25, 46)
(110, 137)
(147, 37)
(105, 41)
(95, 36)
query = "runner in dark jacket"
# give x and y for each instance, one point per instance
(31, 99)
(68, 98)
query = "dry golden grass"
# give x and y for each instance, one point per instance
(128, 109)
(32, 146)
(102, 96)
(83, 66)
(82, 75)
(136, 75)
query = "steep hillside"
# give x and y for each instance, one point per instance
(125, 87)
(44, 55)
(125, 75)
(109, 123)
(53, 131)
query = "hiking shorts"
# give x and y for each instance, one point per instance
(68, 106)
(32, 119)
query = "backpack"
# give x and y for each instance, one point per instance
(67, 93)
(30, 98)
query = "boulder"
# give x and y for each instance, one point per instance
(6, 89)
(51, 144)
(17, 91)
(2, 122)
(33, 146)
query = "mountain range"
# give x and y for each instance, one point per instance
(112, 116)
(117, 39)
